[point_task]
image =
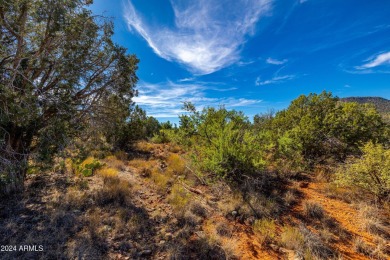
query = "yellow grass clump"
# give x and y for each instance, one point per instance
(179, 198)
(108, 172)
(176, 164)
(114, 162)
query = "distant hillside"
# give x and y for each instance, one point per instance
(381, 104)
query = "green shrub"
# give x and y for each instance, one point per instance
(370, 172)
(320, 129)
(163, 136)
(223, 142)
(266, 230)
(87, 167)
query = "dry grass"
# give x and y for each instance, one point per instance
(306, 244)
(313, 210)
(114, 191)
(262, 206)
(323, 173)
(219, 233)
(113, 162)
(188, 218)
(223, 229)
(174, 148)
(162, 180)
(121, 155)
(292, 238)
(196, 249)
(140, 163)
(291, 197)
(176, 164)
(146, 146)
(361, 247)
(229, 245)
(68, 165)
(379, 251)
(232, 202)
(371, 221)
(265, 230)
(107, 173)
(315, 247)
(198, 209)
(72, 199)
(179, 199)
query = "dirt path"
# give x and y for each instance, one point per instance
(159, 210)
(346, 216)
(242, 241)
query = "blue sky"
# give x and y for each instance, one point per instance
(252, 55)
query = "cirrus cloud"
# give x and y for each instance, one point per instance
(274, 80)
(276, 62)
(165, 99)
(379, 60)
(202, 39)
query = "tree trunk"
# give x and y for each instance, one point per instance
(13, 162)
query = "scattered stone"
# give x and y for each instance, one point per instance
(200, 234)
(168, 236)
(249, 221)
(234, 213)
(119, 237)
(125, 246)
(274, 247)
(213, 199)
(146, 252)
(163, 165)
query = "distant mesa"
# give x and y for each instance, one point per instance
(381, 104)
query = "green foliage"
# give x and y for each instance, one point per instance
(381, 104)
(266, 229)
(319, 129)
(163, 136)
(59, 68)
(87, 168)
(222, 140)
(137, 126)
(370, 172)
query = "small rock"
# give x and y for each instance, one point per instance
(124, 246)
(119, 237)
(213, 199)
(200, 234)
(162, 242)
(249, 221)
(274, 247)
(234, 213)
(146, 252)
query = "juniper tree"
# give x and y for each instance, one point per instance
(58, 64)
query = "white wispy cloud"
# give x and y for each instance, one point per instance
(166, 99)
(381, 59)
(207, 35)
(276, 62)
(274, 80)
